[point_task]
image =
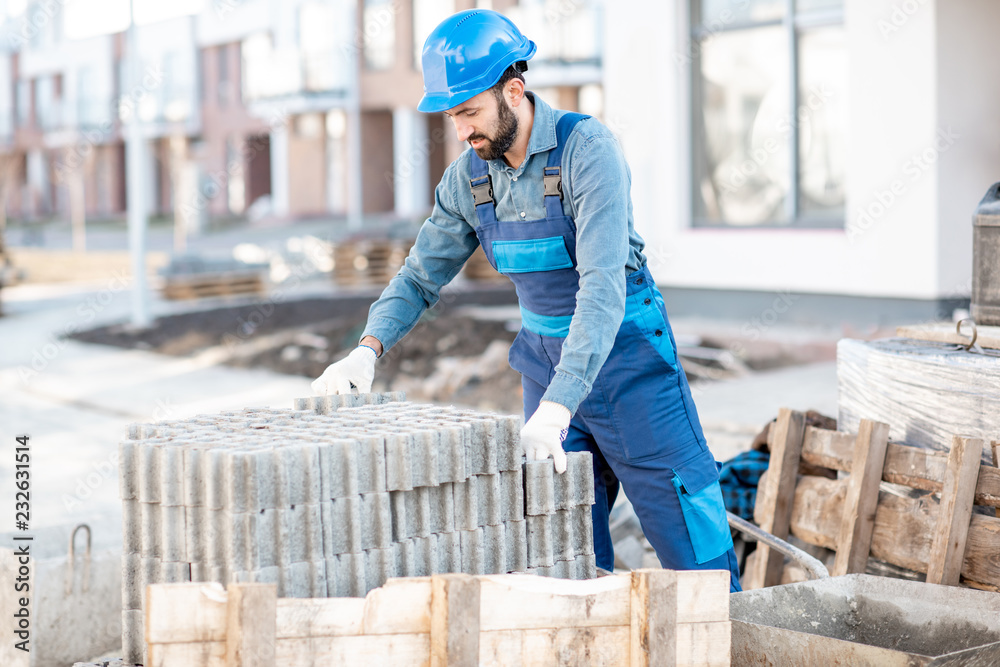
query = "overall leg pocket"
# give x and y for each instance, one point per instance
(697, 484)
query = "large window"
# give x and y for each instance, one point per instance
(769, 112)
(379, 33)
(427, 14)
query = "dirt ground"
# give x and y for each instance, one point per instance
(448, 357)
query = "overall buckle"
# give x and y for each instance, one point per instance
(482, 193)
(553, 182)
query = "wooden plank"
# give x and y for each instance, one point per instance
(702, 596)
(552, 647)
(411, 650)
(982, 552)
(183, 613)
(775, 494)
(526, 602)
(995, 446)
(319, 617)
(454, 620)
(944, 332)
(250, 624)
(401, 606)
(952, 529)
(816, 511)
(704, 644)
(653, 621)
(858, 517)
(910, 466)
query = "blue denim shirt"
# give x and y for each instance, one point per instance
(596, 188)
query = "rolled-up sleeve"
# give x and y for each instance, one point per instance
(444, 243)
(599, 190)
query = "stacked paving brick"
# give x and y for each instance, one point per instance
(343, 492)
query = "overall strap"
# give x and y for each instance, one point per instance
(553, 169)
(482, 189)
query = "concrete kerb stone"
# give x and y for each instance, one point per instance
(516, 545)
(490, 499)
(512, 495)
(508, 434)
(440, 502)
(467, 503)
(494, 549)
(540, 552)
(539, 487)
(398, 462)
(473, 556)
(581, 517)
(376, 521)
(580, 476)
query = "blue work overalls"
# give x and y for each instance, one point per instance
(639, 420)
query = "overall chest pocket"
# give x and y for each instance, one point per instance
(548, 254)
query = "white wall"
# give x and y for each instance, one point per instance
(897, 81)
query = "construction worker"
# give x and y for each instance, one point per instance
(546, 195)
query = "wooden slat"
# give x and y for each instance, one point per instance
(702, 596)
(550, 647)
(319, 617)
(653, 621)
(411, 650)
(401, 606)
(858, 517)
(774, 495)
(910, 466)
(194, 612)
(982, 552)
(995, 446)
(194, 654)
(944, 332)
(524, 602)
(704, 644)
(454, 620)
(250, 624)
(955, 514)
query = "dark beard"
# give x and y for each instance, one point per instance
(503, 136)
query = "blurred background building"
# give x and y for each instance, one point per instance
(827, 152)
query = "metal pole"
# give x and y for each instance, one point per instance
(355, 201)
(135, 184)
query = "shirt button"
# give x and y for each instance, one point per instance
(638, 281)
(658, 333)
(646, 302)
(515, 178)
(522, 214)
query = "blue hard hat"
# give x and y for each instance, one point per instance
(468, 53)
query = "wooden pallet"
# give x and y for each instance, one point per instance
(645, 618)
(944, 332)
(369, 262)
(935, 533)
(201, 286)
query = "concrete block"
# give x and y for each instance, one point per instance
(510, 456)
(339, 469)
(371, 464)
(483, 450)
(494, 550)
(583, 529)
(200, 572)
(516, 545)
(440, 503)
(454, 442)
(473, 558)
(133, 637)
(403, 518)
(268, 575)
(171, 476)
(131, 527)
(132, 585)
(216, 536)
(304, 580)
(380, 566)
(149, 515)
(174, 572)
(261, 491)
(150, 569)
(349, 575)
(302, 403)
(128, 470)
(580, 471)
(466, 504)
(267, 539)
(341, 526)
(398, 464)
(194, 484)
(560, 569)
(449, 552)
(563, 538)
(287, 473)
(424, 556)
(173, 539)
(302, 529)
(584, 566)
(376, 521)
(512, 495)
(405, 554)
(149, 474)
(424, 447)
(240, 543)
(306, 488)
(490, 500)
(214, 478)
(539, 488)
(540, 541)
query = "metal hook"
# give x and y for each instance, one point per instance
(72, 560)
(975, 332)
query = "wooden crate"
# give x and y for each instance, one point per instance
(369, 262)
(647, 617)
(936, 533)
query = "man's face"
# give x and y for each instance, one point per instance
(487, 123)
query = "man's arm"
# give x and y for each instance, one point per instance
(443, 245)
(599, 188)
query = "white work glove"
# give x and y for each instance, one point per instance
(356, 370)
(543, 434)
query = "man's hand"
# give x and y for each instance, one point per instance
(356, 370)
(543, 434)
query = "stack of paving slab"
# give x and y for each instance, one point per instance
(332, 498)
